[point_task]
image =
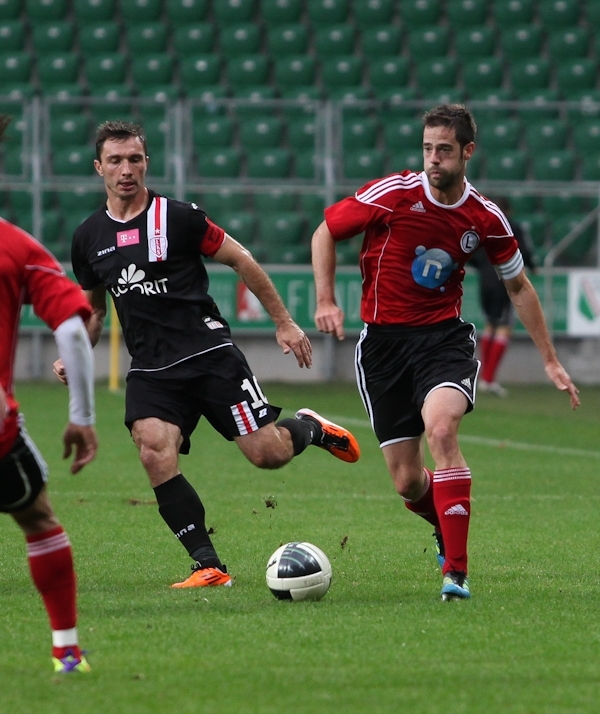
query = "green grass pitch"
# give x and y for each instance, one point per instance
(380, 641)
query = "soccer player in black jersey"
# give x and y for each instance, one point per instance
(147, 251)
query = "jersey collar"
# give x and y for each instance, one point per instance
(427, 190)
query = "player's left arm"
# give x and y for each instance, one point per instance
(3, 407)
(289, 336)
(528, 308)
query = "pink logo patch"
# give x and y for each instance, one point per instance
(125, 238)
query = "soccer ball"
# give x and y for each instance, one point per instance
(298, 571)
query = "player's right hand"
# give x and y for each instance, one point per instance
(59, 370)
(84, 441)
(330, 319)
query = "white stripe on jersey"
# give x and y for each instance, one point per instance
(493, 208)
(244, 418)
(390, 183)
(512, 267)
(157, 230)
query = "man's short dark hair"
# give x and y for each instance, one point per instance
(5, 120)
(453, 116)
(120, 131)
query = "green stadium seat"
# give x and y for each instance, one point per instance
(559, 13)
(403, 134)
(263, 132)
(186, 12)
(466, 13)
(549, 134)
(63, 99)
(10, 9)
(535, 225)
(327, 12)
(15, 160)
(70, 130)
(273, 163)
(22, 201)
(140, 11)
(351, 100)
(475, 166)
(521, 203)
(529, 74)
(588, 103)
(363, 164)
(252, 100)
(389, 73)
(302, 133)
(569, 43)
(368, 13)
(395, 100)
(12, 35)
(220, 163)
(81, 198)
(312, 204)
(152, 70)
(281, 12)
(157, 130)
(420, 13)
(52, 230)
(483, 74)
(521, 41)
(286, 228)
(541, 99)
(297, 71)
(427, 42)
(274, 201)
(200, 70)
(509, 165)
(507, 13)
(46, 10)
(99, 38)
(490, 107)
(111, 102)
(360, 133)
(231, 12)
(91, 11)
(381, 41)
(592, 13)
(304, 99)
(287, 40)
(156, 100)
(556, 165)
(590, 166)
(475, 42)
(71, 221)
(242, 39)
(207, 99)
(105, 70)
(436, 73)
(557, 206)
(400, 160)
(57, 36)
(248, 71)
(146, 38)
(73, 161)
(193, 39)
(334, 40)
(341, 72)
(576, 74)
(586, 136)
(282, 254)
(444, 95)
(504, 134)
(15, 68)
(307, 165)
(576, 252)
(240, 225)
(58, 68)
(215, 204)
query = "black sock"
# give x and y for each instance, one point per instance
(303, 433)
(182, 510)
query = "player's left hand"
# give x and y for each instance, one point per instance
(85, 442)
(558, 374)
(292, 339)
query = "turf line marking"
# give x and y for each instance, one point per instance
(484, 441)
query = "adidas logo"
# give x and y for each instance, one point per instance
(457, 510)
(418, 207)
(466, 382)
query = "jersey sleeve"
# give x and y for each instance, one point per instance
(53, 296)
(81, 266)
(210, 236)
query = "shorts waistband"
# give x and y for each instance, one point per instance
(403, 330)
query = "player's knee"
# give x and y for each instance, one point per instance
(266, 459)
(442, 436)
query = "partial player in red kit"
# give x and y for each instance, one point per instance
(29, 274)
(415, 364)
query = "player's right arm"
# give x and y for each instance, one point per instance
(3, 407)
(329, 317)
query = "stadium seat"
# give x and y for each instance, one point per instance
(140, 11)
(521, 203)
(57, 36)
(556, 206)
(592, 13)
(286, 228)
(475, 166)
(302, 133)
(475, 42)
(73, 161)
(59, 68)
(411, 159)
(529, 74)
(569, 43)
(99, 38)
(282, 254)
(71, 221)
(509, 165)
(152, 70)
(381, 41)
(327, 12)
(590, 166)
(588, 104)
(72, 130)
(206, 100)
(156, 100)
(182, 13)
(297, 71)
(157, 130)
(491, 108)
(247, 70)
(312, 204)
(240, 39)
(220, 163)
(427, 42)
(264, 132)
(200, 70)
(232, 12)
(549, 134)
(287, 40)
(146, 38)
(215, 203)
(559, 13)
(22, 201)
(46, 10)
(576, 74)
(281, 12)
(504, 134)
(359, 133)
(193, 39)
(351, 100)
(15, 68)
(12, 35)
(556, 165)
(15, 161)
(403, 134)
(62, 99)
(466, 13)
(444, 95)
(334, 40)
(535, 225)
(586, 136)
(88, 11)
(308, 164)
(342, 72)
(575, 253)
(389, 73)
(105, 69)
(274, 201)
(508, 13)
(368, 13)
(521, 41)
(252, 100)
(420, 13)
(363, 164)
(81, 198)
(541, 109)
(436, 73)
(111, 102)
(10, 9)
(396, 100)
(273, 163)
(483, 74)
(240, 225)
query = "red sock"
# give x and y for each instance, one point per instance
(452, 496)
(51, 565)
(424, 505)
(484, 351)
(495, 353)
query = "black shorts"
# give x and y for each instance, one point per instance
(23, 474)
(398, 367)
(496, 305)
(218, 385)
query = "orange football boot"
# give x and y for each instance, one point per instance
(335, 439)
(205, 577)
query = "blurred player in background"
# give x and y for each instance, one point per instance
(29, 274)
(415, 362)
(147, 251)
(497, 308)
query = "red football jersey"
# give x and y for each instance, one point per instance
(29, 274)
(415, 248)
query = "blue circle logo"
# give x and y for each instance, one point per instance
(431, 268)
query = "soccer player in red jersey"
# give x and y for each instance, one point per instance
(29, 274)
(415, 364)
